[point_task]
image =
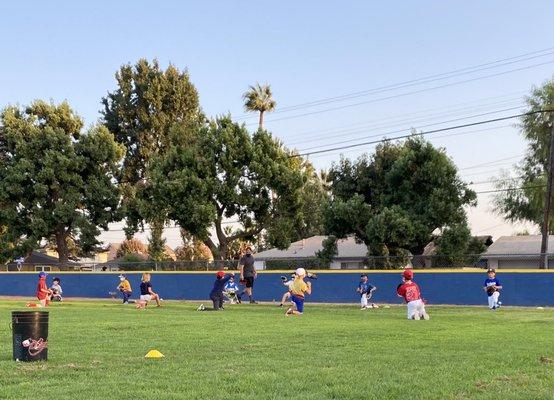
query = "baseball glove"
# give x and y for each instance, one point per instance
(490, 290)
(242, 282)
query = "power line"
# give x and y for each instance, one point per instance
(425, 79)
(511, 189)
(406, 93)
(422, 133)
(422, 126)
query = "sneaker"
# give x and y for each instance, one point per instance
(253, 302)
(280, 305)
(416, 316)
(499, 304)
(289, 311)
(373, 305)
(426, 316)
(201, 307)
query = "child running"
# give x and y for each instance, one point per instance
(298, 289)
(409, 290)
(216, 295)
(492, 286)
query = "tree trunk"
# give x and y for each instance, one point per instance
(261, 121)
(61, 247)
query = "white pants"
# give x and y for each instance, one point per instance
(493, 300)
(146, 297)
(363, 300)
(416, 306)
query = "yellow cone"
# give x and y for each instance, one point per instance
(154, 354)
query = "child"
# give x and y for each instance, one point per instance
(492, 286)
(366, 289)
(125, 288)
(43, 293)
(146, 292)
(216, 295)
(409, 290)
(298, 289)
(230, 290)
(56, 290)
(287, 283)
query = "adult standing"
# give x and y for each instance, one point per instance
(247, 274)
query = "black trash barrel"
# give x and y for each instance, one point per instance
(30, 335)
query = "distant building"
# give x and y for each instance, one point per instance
(37, 261)
(430, 251)
(518, 252)
(351, 255)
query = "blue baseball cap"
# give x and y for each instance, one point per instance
(42, 274)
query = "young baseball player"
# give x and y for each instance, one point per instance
(287, 283)
(56, 289)
(366, 289)
(216, 295)
(492, 286)
(43, 293)
(147, 293)
(125, 288)
(230, 290)
(409, 290)
(298, 289)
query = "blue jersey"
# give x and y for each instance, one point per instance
(219, 284)
(491, 282)
(231, 287)
(365, 287)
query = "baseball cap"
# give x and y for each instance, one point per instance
(122, 276)
(220, 274)
(42, 274)
(491, 270)
(408, 274)
(300, 271)
(362, 275)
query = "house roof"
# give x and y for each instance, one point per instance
(40, 258)
(307, 248)
(518, 245)
(431, 248)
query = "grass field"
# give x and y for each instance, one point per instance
(96, 351)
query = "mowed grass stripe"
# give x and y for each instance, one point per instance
(254, 352)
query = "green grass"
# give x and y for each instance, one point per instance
(96, 351)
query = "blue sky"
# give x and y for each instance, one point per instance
(307, 51)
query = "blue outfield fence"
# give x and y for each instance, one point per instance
(462, 288)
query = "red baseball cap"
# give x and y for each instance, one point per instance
(220, 274)
(408, 274)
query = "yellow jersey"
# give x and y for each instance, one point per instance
(125, 286)
(298, 287)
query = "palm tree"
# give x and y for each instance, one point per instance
(259, 98)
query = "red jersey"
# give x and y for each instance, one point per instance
(410, 291)
(40, 287)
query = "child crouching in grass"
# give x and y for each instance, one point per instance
(216, 295)
(298, 289)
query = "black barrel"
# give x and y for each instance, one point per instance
(30, 335)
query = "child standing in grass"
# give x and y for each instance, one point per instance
(298, 289)
(43, 293)
(409, 290)
(492, 286)
(366, 289)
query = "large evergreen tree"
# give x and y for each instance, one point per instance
(55, 180)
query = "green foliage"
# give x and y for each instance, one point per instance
(328, 252)
(527, 204)
(148, 101)
(259, 98)
(221, 172)
(56, 180)
(394, 200)
(457, 248)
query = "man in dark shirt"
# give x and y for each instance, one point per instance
(247, 274)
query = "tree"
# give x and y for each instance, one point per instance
(522, 196)
(132, 246)
(55, 180)
(140, 112)
(192, 249)
(456, 247)
(258, 98)
(222, 172)
(395, 199)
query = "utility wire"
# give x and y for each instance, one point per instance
(425, 79)
(488, 121)
(405, 94)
